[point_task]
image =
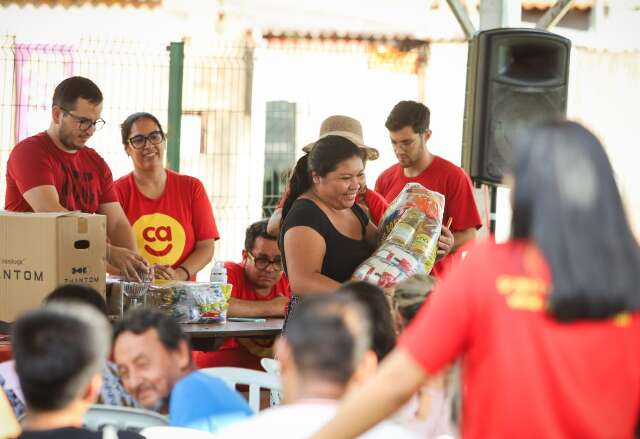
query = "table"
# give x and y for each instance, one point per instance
(208, 337)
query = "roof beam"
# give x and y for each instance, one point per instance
(554, 14)
(463, 18)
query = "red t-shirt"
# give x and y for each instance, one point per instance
(448, 179)
(374, 201)
(376, 204)
(243, 290)
(167, 228)
(83, 179)
(525, 374)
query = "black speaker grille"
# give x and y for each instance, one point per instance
(511, 111)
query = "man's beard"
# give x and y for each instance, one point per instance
(160, 405)
(66, 138)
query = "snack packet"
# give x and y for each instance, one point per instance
(409, 231)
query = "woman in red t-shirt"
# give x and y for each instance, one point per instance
(546, 324)
(170, 213)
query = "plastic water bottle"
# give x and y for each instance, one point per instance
(218, 278)
(218, 273)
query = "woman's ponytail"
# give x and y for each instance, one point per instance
(299, 183)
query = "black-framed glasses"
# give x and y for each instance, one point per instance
(83, 123)
(154, 137)
(263, 263)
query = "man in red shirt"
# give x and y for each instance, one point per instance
(260, 289)
(54, 171)
(408, 125)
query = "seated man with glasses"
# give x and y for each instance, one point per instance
(260, 289)
(55, 171)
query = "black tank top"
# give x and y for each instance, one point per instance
(343, 254)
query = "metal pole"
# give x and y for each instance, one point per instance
(493, 194)
(176, 69)
(554, 14)
(463, 18)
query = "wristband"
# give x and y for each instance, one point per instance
(186, 271)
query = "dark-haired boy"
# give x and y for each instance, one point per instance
(60, 351)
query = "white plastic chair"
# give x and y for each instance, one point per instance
(255, 379)
(271, 366)
(122, 418)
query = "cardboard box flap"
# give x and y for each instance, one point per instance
(44, 214)
(79, 214)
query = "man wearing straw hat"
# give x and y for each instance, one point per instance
(372, 202)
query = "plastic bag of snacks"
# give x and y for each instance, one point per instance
(192, 302)
(409, 232)
(415, 195)
(212, 302)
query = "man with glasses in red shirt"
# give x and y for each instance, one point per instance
(408, 125)
(260, 289)
(54, 171)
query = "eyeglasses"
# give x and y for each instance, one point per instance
(83, 123)
(263, 263)
(154, 137)
(408, 143)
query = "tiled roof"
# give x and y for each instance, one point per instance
(328, 35)
(527, 5)
(541, 5)
(79, 3)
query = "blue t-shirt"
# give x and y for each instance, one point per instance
(206, 403)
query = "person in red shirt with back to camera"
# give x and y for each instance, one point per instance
(260, 289)
(547, 324)
(54, 171)
(408, 125)
(369, 200)
(170, 213)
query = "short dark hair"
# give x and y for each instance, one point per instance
(376, 303)
(409, 114)
(78, 293)
(328, 335)
(567, 202)
(140, 320)
(254, 231)
(57, 349)
(68, 91)
(125, 127)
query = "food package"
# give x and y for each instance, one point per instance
(192, 302)
(413, 195)
(409, 232)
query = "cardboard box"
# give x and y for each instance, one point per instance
(40, 251)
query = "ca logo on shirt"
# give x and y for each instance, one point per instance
(161, 239)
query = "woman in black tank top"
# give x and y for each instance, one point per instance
(324, 235)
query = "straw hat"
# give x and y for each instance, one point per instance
(346, 127)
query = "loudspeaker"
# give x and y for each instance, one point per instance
(515, 77)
